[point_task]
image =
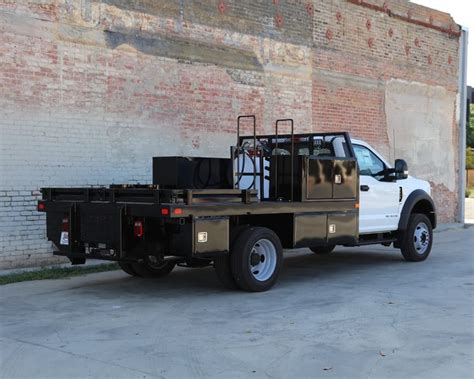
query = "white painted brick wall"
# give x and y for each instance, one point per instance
(41, 149)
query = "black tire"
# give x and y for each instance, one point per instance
(127, 267)
(417, 239)
(323, 250)
(222, 262)
(255, 243)
(224, 273)
(149, 269)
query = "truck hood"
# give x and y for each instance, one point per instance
(411, 184)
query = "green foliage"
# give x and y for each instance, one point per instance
(469, 158)
(470, 129)
(472, 117)
(55, 273)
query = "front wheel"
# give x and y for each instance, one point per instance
(256, 259)
(152, 267)
(417, 239)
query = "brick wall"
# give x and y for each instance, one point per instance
(90, 90)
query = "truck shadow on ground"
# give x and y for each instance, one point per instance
(297, 268)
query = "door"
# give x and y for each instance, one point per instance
(379, 199)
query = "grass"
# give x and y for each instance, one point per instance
(55, 273)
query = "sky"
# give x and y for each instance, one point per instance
(463, 13)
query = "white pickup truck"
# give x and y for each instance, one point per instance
(400, 204)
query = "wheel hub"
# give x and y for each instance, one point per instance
(154, 262)
(421, 238)
(255, 259)
(262, 260)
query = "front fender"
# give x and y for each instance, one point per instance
(420, 202)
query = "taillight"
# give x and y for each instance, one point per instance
(65, 223)
(41, 206)
(138, 229)
(165, 211)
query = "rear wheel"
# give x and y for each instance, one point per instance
(256, 259)
(321, 250)
(127, 267)
(222, 262)
(417, 239)
(152, 267)
(223, 272)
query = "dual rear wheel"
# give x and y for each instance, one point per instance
(150, 267)
(254, 262)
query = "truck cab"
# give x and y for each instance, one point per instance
(382, 196)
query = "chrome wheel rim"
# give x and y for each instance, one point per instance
(263, 260)
(421, 238)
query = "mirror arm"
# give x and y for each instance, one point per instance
(385, 172)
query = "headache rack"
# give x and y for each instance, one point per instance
(278, 165)
(256, 151)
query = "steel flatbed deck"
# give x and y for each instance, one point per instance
(300, 193)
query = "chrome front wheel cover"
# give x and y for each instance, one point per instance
(421, 238)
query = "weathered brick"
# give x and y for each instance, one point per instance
(91, 90)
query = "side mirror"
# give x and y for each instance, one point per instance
(401, 169)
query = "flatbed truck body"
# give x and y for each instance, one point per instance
(302, 191)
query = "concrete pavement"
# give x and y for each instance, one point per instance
(360, 312)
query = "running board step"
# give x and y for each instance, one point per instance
(376, 241)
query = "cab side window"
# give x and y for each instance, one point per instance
(369, 163)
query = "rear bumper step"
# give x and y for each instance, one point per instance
(75, 257)
(86, 256)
